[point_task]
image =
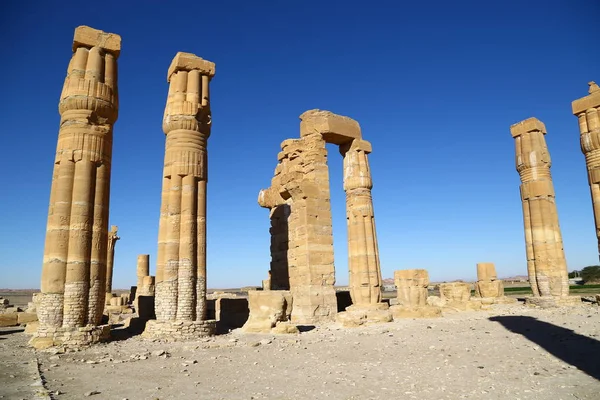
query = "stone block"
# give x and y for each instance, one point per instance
(266, 309)
(8, 319)
(355, 315)
(399, 312)
(285, 327)
(32, 327)
(336, 129)
(25, 317)
(553, 301)
(489, 289)
(455, 291)
(528, 125)
(90, 37)
(187, 62)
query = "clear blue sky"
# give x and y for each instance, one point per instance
(434, 85)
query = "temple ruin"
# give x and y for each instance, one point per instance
(73, 281)
(546, 263)
(181, 258)
(587, 111)
(301, 229)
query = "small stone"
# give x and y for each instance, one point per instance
(158, 353)
(93, 392)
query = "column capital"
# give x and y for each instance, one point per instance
(356, 145)
(526, 126)
(189, 62)
(592, 100)
(88, 37)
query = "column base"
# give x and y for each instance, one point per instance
(179, 330)
(553, 301)
(74, 338)
(399, 312)
(369, 314)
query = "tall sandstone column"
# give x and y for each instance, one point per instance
(181, 256)
(363, 254)
(546, 264)
(110, 258)
(587, 111)
(74, 266)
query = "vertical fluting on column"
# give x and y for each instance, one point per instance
(181, 259)
(88, 107)
(363, 254)
(587, 111)
(546, 261)
(110, 256)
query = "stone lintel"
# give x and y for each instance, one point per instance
(90, 37)
(590, 101)
(528, 125)
(335, 129)
(188, 62)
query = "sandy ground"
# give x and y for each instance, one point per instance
(510, 352)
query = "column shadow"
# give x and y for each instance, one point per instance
(575, 349)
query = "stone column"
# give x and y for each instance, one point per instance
(546, 264)
(587, 110)
(181, 256)
(143, 269)
(488, 285)
(74, 269)
(363, 253)
(412, 297)
(412, 287)
(110, 258)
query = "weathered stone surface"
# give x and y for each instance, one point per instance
(355, 316)
(8, 319)
(301, 230)
(334, 128)
(86, 37)
(488, 285)
(179, 330)
(73, 283)
(69, 337)
(180, 283)
(266, 309)
(32, 327)
(546, 263)
(411, 285)
(455, 291)
(587, 111)
(399, 312)
(110, 257)
(25, 317)
(285, 327)
(553, 301)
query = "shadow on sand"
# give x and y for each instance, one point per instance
(11, 330)
(575, 349)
